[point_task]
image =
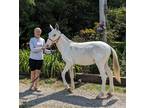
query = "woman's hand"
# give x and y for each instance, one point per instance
(53, 51)
(43, 48)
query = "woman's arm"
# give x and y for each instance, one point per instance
(46, 51)
(33, 49)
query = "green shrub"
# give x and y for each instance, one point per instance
(116, 33)
(52, 65)
(116, 24)
(24, 61)
(120, 48)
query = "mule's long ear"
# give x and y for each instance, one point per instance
(51, 27)
(57, 26)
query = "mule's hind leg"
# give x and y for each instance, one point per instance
(110, 75)
(103, 77)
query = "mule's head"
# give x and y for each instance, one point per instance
(53, 36)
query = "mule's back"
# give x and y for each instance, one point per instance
(87, 52)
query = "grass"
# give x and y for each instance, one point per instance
(97, 88)
(57, 84)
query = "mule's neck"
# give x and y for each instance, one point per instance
(63, 43)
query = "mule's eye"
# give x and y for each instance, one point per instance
(54, 35)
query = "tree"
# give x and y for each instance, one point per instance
(71, 15)
(102, 17)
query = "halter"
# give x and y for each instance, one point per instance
(55, 41)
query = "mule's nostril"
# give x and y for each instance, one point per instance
(47, 46)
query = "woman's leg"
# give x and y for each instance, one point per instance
(32, 79)
(32, 64)
(32, 75)
(37, 74)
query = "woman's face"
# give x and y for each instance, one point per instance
(37, 32)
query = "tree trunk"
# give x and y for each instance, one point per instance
(102, 18)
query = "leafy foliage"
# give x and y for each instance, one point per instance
(78, 20)
(52, 66)
(24, 61)
(71, 15)
(116, 24)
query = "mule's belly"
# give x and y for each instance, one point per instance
(84, 60)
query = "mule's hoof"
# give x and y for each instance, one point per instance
(69, 90)
(72, 87)
(100, 96)
(109, 95)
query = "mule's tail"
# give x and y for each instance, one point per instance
(116, 67)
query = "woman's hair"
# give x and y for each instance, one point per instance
(37, 28)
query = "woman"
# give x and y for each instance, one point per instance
(37, 44)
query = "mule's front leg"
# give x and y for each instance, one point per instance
(66, 68)
(72, 77)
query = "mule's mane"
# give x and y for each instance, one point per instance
(67, 39)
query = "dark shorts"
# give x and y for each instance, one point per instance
(35, 64)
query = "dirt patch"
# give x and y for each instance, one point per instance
(54, 96)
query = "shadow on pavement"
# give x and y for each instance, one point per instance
(65, 97)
